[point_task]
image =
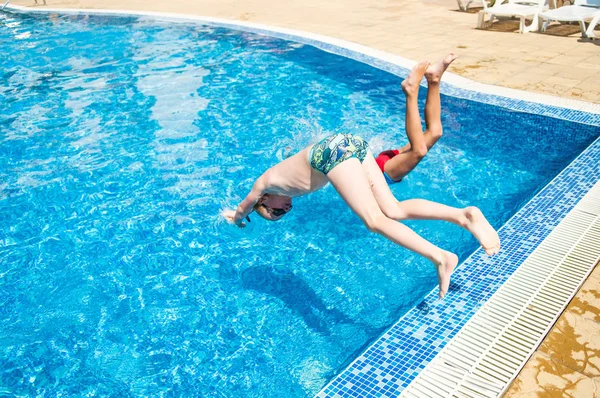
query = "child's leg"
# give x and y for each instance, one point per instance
(433, 116)
(351, 182)
(433, 110)
(401, 164)
(469, 218)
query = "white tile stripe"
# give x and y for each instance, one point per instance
(326, 43)
(459, 365)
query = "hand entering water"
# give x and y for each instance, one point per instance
(230, 217)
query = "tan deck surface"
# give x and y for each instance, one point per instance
(562, 66)
(567, 364)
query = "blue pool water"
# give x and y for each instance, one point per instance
(121, 141)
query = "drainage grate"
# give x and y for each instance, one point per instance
(490, 350)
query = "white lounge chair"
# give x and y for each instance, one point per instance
(582, 11)
(590, 30)
(523, 9)
(464, 6)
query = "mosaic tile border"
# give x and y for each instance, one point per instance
(394, 360)
(535, 295)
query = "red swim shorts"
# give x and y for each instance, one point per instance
(384, 156)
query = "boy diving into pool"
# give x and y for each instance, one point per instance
(345, 161)
(395, 164)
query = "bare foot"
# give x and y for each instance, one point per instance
(444, 270)
(434, 72)
(482, 230)
(410, 85)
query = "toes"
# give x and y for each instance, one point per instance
(492, 251)
(421, 65)
(450, 57)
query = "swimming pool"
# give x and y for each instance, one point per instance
(117, 156)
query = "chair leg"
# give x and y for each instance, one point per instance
(460, 6)
(543, 26)
(590, 30)
(522, 25)
(486, 24)
(533, 26)
(480, 19)
(582, 27)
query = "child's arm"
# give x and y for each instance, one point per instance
(247, 205)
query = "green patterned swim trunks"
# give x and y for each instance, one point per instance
(334, 149)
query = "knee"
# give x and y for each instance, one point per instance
(436, 131)
(374, 221)
(419, 151)
(395, 211)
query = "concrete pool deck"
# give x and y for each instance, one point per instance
(565, 67)
(561, 66)
(567, 363)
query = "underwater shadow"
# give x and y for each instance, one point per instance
(297, 296)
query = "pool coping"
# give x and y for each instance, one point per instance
(353, 378)
(517, 317)
(468, 89)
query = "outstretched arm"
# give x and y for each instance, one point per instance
(247, 205)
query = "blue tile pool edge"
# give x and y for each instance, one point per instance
(388, 365)
(408, 346)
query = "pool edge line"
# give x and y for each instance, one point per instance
(337, 46)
